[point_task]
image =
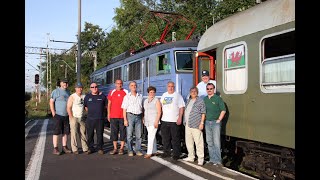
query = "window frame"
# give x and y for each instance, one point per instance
(166, 55)
(262, 60)
(176, 61)
(224, 69)
(139, 71)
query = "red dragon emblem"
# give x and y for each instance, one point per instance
(235, 58)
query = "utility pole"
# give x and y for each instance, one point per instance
(40, 75)
(50, 87)
(79, 44)
(47, 66)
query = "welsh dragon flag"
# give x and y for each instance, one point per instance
(235, 56)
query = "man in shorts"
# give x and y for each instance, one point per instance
(58, 107)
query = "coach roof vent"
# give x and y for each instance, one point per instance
(120, 56)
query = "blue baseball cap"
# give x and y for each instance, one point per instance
(79, 85)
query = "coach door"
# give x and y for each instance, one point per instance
(204, 61)
(146, 74)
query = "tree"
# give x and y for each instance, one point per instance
(133, 19)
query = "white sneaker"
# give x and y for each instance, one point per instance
(188, 159)
(200, 162)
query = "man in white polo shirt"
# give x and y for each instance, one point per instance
(132, 116)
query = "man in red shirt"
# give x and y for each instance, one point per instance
(115, 115)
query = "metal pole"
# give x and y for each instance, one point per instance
(50, 87)
(40, 75)
(79, 44)
(47, 67)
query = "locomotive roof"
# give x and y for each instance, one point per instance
(266, 15)
(152, 50)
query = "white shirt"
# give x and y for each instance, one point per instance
(77, 105)
(132, 104)
(202, 87)
(171, 103)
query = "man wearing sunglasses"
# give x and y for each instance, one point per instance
(215, 111)
(95, 104)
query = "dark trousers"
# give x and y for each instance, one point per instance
(170, 133)
(98, 125)
(117, 126)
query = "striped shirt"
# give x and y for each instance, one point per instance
(133, 104)
(197, 110)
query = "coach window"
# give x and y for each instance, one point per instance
(163, 64)
(110, 77)
(183, 61)
(235, 73)
(277, 68)
(117, 73)
(134, 71)
(125, 73)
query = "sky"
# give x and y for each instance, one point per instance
(57, 20)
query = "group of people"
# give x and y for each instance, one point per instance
(127, 112)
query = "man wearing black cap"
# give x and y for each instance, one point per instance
(76, 111)
(203, 84)
(58, 107)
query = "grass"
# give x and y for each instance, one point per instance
(37, 110)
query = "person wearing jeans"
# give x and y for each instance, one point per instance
(132, 115)
(215, 111)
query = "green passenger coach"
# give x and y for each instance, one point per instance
(251, 55)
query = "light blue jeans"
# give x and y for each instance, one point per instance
(213, 140)
(134, 122)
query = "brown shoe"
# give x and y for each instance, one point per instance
(56, 151)
(66, 150)
(114, 151)
(121, 152)
(139, 153)
(147, 156)
(88, 152)
(75, 152)
(100, 151)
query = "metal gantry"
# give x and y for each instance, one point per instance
(44, 51)
(48, 51)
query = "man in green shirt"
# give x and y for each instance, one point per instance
(215, 111)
